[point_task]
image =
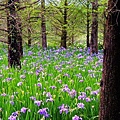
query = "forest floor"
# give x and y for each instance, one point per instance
(55, 84)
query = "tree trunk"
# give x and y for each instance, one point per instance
(72, 39)
(110, 83)
(88, 24)
(29, 37)
(94, 32)
(19, 36)
(13, 36)
(43, 25)
(64, 27)
(104, 30)
(29, 31)
(19, 30)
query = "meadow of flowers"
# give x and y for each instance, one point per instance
(55, 84)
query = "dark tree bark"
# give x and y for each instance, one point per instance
(110, 83)
(64, 27)
(29, 37)
(72, 39)
(104, 30)
(88, 24)
(29, 31)
(43, 25)
(18, 26)
(19, 36)
(13, 37)
(94, 32)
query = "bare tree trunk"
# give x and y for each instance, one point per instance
(88, 24)
(104, 31)
(72, 39)
(29, 31)
(29, 37)
(43, 25)
(110, 83)
(19, 36)
(13, 35)
(19, 30)
(64, 27)
(94, 32)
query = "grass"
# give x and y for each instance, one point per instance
(50, 79)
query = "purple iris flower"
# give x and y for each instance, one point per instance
(24, 109)
(30, 53)
(39, 85)
(22, 76)
(80, 105)
(12, 118)
(49, 100)
(19, 84)
(32, 98)
(82, 96)
(76, 118)
(44, 112)
(3, 94)
(87, 99)
(12, 102)
(72, 93)
(63, 108)
(37, 102)
(94, 92)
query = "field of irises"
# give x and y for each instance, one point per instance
(55, 84)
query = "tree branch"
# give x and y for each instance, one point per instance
(3, 30)
(3, 41)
